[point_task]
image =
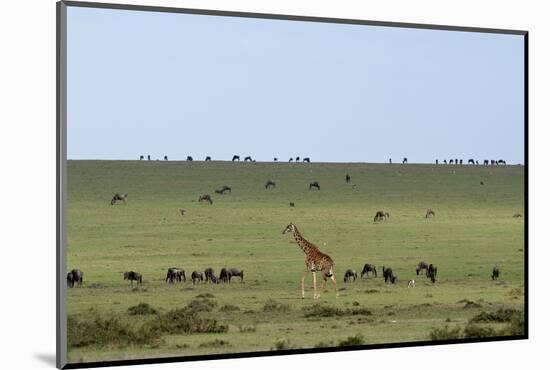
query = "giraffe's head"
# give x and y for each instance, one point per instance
(290, 227)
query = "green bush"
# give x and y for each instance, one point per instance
(319, 310)
(185, 320)
(141, 309)
(445, 333)
(355, 340)
(272, 305)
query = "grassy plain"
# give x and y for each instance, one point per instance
(473, 230)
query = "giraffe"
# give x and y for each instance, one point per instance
(315, 261)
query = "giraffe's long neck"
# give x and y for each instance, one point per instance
(302, 242)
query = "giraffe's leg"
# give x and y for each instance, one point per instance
(324, 283)
(303, 290)
(315, 295)
(335, 288)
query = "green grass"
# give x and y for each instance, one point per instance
(473, 230)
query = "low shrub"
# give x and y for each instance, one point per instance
(229, 308)
(355, 340)
(141, 309)
(185, 320)
(201, 305)
(445, 333)
(272, 305)
(215, 343)
(319, 310)
(281, 344)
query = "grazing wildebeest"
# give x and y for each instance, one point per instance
(430, 213)
(205, 197)
(208, 158)
(492, 162)
(368, 268)
(197, 277)
(388, 275)
(270, 184)
(381, 216)
(314, 184)
(209, 275)
(477, 162)
(461, 161)
(496, 273)
(306, 159)
(218, 191)
(390, 161)
(119, 197)
(291, 204)
(149, 157)
(350, 274)
(236, 158)
(348, 177)
(189, 158)
(248, 159)
(275, 159)
(516, 215)
(411, 284)
(470, 161)
(486, 162)
(422, 266)
(226, 188)
(140, 157)
(436, 161)
(235, 272)
(132, 275)
(225, 275)
(456, 161)
(445, 161)
(297, 159)
(291, 159)
(451, 161)
(432, 272)
(175, 274)
(165, 157)
(405, 161)
(501, 161)
(182, 211)
(75, 276)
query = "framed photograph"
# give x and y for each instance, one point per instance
(237, 184)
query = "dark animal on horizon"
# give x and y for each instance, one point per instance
(411, 284)
(492, 162)
(218, 191)
(430, 213)
(516, 215)
(451, 161)
(236, 272)
(149, 157)
(165, 157)
(297, 159)
(174, 275)
(209, 275)
(314, 184)
(291, 159)
(461, 161)
(206, 198)
(75, 276)
(496, 273)
(118, 198)
(381, 216)
(388, 275)
(182, 211)
(422, 266)
(486, 162)
(481, 183)
(348, 178)
(368, 268)
(236, 158)
(208, 158)
(189, 158)
(306, 159)
(197, 277)
(291, 204)
(350, 274)
(390, 161)
(445, 161)
(477, 162)
(248, 159)
(140, 157)
(432, 272)
(275, 159)
(456, 161)
(436, 161)
(132, 275)
(225, 275)
(270, 184)
(405, 160)
(501, 161)
(226, 188)
(470, 161)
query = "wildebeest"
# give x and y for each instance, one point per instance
(436, 161)
(314, 184)
(348, 178)
(496, 273)
(493, 162)
(411, 284)
(119, 197)
(461, 161)
(275, 159)
(75, 276)
(132, 275)
(236, 158)
(350, 274)
(481, 183)
(501, 161)
(390, 161)
(422, 266)
(486, 162)
(471, 161)
(226, 188)
(430, 213)
(174, 275)
(291, 204)
(451, 161)
(218, 191)
(291, 159)
(208, 158)
(140, 157)
(516, 215)
(197, 277)
(148, 157)
(165, 157)
(270, 184)
(381, 216)
(297, 159)
(405, 160)
(445, 161)
(209, 275)
(248, 159)
(368, 268)
(206, 197)
(306, 159)
(477, 162)
(189, 158)
(182, 211)
(227, 273)
(388, 275)
(432, 272)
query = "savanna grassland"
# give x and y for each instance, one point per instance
(473, 230)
